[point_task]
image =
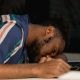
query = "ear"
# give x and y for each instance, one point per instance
(50, 31)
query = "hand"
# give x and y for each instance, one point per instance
(49, 58)
(45, 59)
(52, 68)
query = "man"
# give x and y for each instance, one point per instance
(15, 35)
(59, 41)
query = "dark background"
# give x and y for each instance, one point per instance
(39, 10)
(69, 9)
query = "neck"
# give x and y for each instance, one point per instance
(35, 32)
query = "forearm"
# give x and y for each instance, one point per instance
(48, 69)
(17, 70)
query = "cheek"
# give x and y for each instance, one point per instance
(46, 49)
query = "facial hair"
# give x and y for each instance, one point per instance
(34, 51)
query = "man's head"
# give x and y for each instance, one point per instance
(51, 37)
(50, 41)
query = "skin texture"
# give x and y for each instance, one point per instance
(46, 69)
(49, 58)
(48, 42)
(53, 68)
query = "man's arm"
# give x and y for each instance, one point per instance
(45, 70)
(16, 70)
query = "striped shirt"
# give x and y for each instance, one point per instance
(13, 36)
